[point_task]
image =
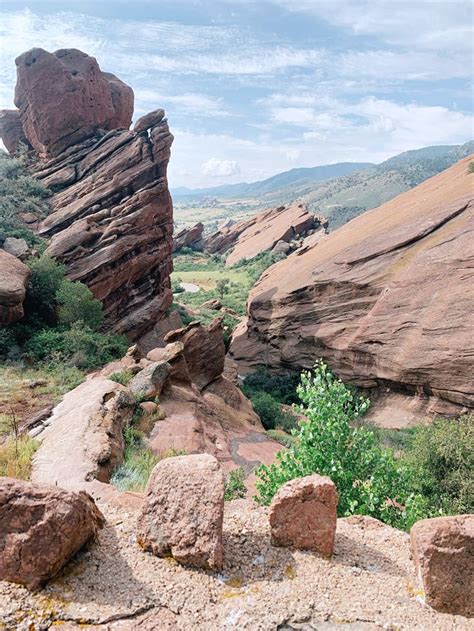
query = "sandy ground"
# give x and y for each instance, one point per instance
(114, 585)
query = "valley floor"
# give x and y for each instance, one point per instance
(369, 584)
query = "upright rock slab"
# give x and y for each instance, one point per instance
(14, 276)
(443, 552)
(41, 528)
(184, 511)
(303, 514)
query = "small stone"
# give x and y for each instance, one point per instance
(149, 382)
(16, 247)
(303, 514)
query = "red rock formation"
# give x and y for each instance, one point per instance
(14, 277)
(386, 299)
(64, 96)
(11, 130)
(189, 238)
(250, 237)
(112, 213)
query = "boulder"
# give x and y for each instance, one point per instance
(281, 247)
(214, 304)
(14, 276)
(11, 131)
(64, 97)
(372, 300)
(149, 120)
(149, 408)
(16, 247)
(41, 529)
(303, 514)
(82, 440)
(443, 552)
(184, 510)
(149, 382)
(189, 238)
(168, 353)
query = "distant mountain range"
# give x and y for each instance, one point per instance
(339, 191)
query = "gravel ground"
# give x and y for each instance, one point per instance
(114, 585)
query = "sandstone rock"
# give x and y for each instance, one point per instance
(63, 97)
(41, 529)
(149, 382)
(168, 353)
(214, 304)
(148, 408)
(303, 514)
(373, 301)
(281, 247)
(189, 238)
(11, 131)
(250, 237)
(184, 510)
(16, 247)
(149, 120)
(443, 551)
(82, 440)
(14, 276)
(204, 350)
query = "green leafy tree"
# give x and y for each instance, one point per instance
(222, 287)
(369, 480)
(77, 304)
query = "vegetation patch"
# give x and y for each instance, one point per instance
(235, 485)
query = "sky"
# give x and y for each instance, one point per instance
(255, 87)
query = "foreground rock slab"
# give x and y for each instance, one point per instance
(14, 277)
(443, 551)
(41, 529)
(303, 514)
(184, 511)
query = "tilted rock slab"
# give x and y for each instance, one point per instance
(41, 528)
(386, 300)
(189, 238)
(83, 440)
(184, 511)
(14, 276)
(149, 382)
(443, 551)
(303, 514)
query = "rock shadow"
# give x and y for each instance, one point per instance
(353, 553)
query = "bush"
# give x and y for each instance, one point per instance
(270, 412)
(281, 386)
(441, 458)
(16, 455)
(124, 377)
(470, 167)
(77, 304)
(368, 478)
(235, 485)
(46, 278)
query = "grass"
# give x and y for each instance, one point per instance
(207, 280)
(16, 456)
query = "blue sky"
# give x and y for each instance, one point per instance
(254, 87)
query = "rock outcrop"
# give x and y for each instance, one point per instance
(386, 300)
(264, 231)
(189, 238)
(14, 277)
(443, 551)
(183, 511)
(112, 219)
(303, 515)
(41, 529)
(11, 131)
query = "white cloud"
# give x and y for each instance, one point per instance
(189, 103)
(220, 168)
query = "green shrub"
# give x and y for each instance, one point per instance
(368, 478)
(287, 440)
(123, 377)
(281, 386)
(270, 412)
(46, 278)
(470, 167)
(77, 304)
(235, 485)
(441, 459)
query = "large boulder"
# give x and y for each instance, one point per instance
(443, 551)
(386, 300)
(189, 238)
(41, 529)
(82, 440)
(149, 382)
(149, 120)
(303, 514)
(11, 131)
(184, 511)
(63, 97)
(14, 276)
(16, 247)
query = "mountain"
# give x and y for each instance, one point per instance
(295, 177)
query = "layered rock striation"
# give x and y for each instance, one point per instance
(112, 218)
(386, 300)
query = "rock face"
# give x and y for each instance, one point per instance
(443, 551)
(112, 217)
(14, 277)
(11, 131)
(184, 511)
(82, 440)
(42, 528)
(54, 93)
(385, 299)
(303, 514)
(149, 382)
(189, 238)
(262, 232)
(16, 247)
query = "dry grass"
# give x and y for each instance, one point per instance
(16, 456)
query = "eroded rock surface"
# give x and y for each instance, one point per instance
(184, 510)
(14, 277)
(41, 529)
(189, 238)
(303, 514)
(386, 299)
(443, 551)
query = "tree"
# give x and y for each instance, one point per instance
(222, 287)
